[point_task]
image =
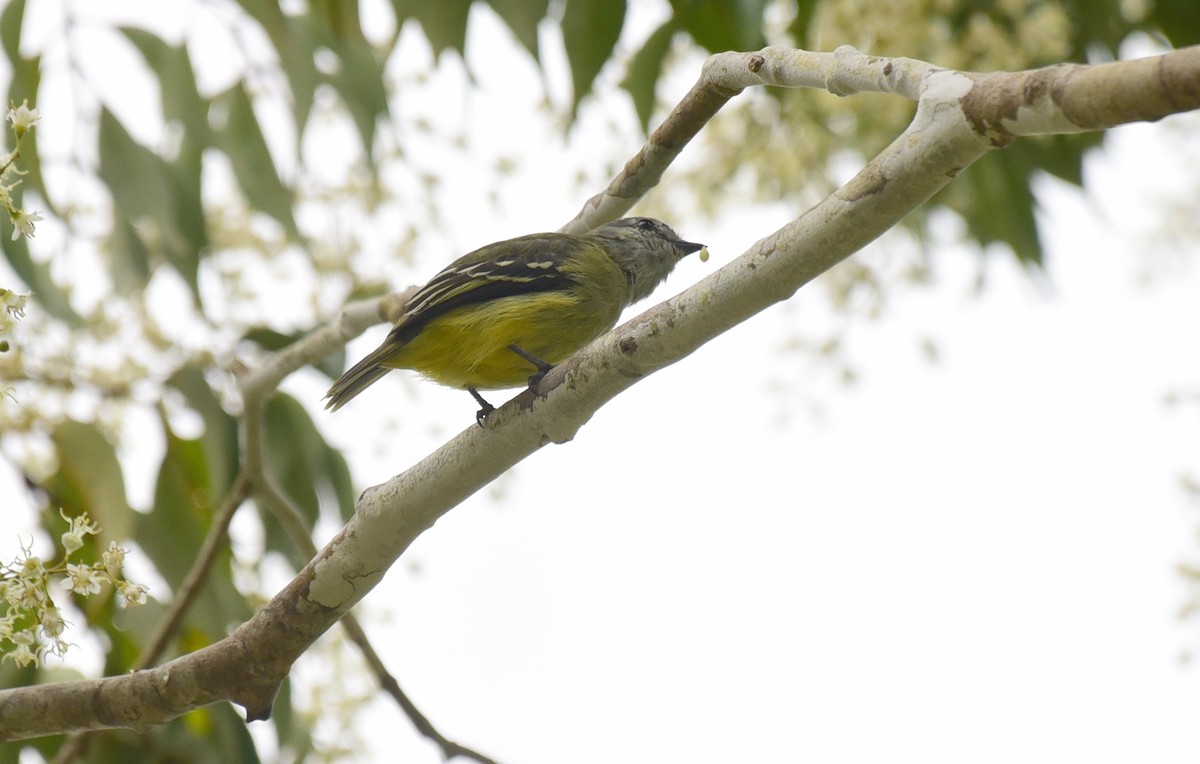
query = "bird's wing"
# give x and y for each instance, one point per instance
(524, 265)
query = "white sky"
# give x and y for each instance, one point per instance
(740, 560)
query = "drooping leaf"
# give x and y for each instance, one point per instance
(23, 86)
(644, 71)
(995, 200)
(720, 25)
(175, 528)
(522, 17)
(37, 277)
(331, 365)
(296, 53)
(220, 436)
(359, 80)
(149, 192)
(241, 139)
(129, 260)
(181, 100)
(444, 23)
(306, 468)
(1179, 20)
(590, 32)
(89, 479)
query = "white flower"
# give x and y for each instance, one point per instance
(72, 540)
(131, 594)
(23, 223)
(14, 302)
(52, 622)
(23, 118)
(24, 654)
(83, 579)
(114, 558)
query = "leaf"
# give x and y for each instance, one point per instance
(129, 259)
(359, 81)
(997, 204)
(241, 139)
(590, 31)
(720, 25)
(146, 190)
(171, 64)
(304, 466)
(297, 55)
(1179, 20)
(220, 436)
(23, 86)
(798, 29)
(37, 277)
(522, 17)
(644, 70)
(331, 365)
(444, 23)
(173, 531)
(89, 479)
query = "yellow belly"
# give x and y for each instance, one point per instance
(469, 346)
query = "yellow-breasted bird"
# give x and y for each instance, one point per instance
(503, 315)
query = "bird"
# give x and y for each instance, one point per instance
(505, 314)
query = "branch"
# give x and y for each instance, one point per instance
(959, 117)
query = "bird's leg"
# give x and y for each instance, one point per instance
(485, 408)
(542, 366)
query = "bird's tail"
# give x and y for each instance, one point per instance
(358, 378)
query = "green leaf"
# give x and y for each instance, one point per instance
(37, 277)
(445, 22)
(181, 101)
(590, 32)
(129, 259)
(147, 191)
(995, 200)
(296, 55)
(644, 70)
(304, 466)
(720, 25)
(798, 29)
(522, 17)
(24, 83)
(89, 479)
(185, 498)
(1179, 20)
(242, 140)
(359, 81)
(331, 365)
(220, 437)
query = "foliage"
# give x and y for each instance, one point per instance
(180, 203)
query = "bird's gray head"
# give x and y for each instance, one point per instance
(646, 250)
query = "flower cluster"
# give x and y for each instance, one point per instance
(23, 119)
(33, 626)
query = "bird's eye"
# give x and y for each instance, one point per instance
(646, 224)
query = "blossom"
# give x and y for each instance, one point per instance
(83, 579)
(23, 223)
(14, 302)
(24, 654)
(72, 540)
(23, 118)
(114, 558)
(131, 595)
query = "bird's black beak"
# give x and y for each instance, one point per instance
(688, 247)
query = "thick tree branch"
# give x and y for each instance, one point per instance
(958, 119)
